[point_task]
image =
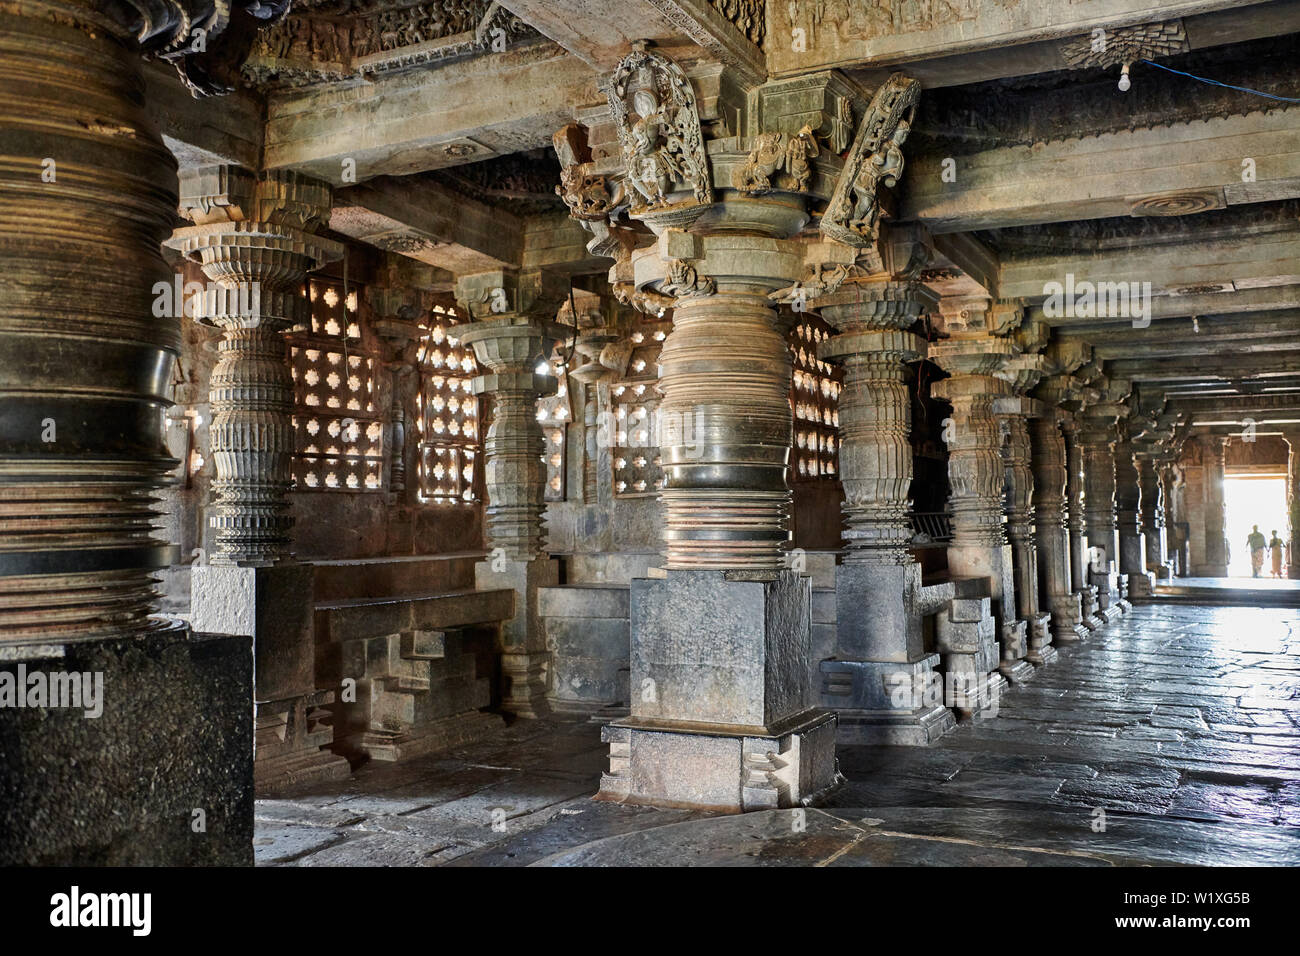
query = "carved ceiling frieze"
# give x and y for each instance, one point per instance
(1118, 45)
(356, 38)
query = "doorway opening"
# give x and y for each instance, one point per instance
(1250, 500)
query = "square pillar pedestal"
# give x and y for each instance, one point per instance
(722, 716)
(881, 684)
(524, 657)
(274, 606)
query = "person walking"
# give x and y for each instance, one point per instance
(1275, 546)
(1256, 542)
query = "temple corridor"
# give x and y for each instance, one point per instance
(1168, 739)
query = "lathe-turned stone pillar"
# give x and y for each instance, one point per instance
(87, 351)
(979, 551)
(1048, 461)
(255, 237)
(723, 712)
(86, 354)
(1128, 520)
(881, 682)
(511, 345)
(1074, 525)
(1214, 462)
(1152, 512)
(1097, 436)
(1015, 413)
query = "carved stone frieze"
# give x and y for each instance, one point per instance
(349, 38)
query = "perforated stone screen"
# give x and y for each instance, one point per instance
(637, 467)
(338, 434)
(449, 419)
(814, 400)
(554, 414)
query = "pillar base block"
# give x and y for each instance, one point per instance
(885, 702)
(276, 774)
(1017, 671)
(1043, 655)
(523, 684)
(438, 735)
(721, 768)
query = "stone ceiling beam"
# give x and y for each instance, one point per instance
(1240, 262)
(1109, 175)
(970, 41)
(1263, 299)
(600, 32)
(428, 119)
(195, 132)
(1224, 366)
(431, 223)
(1206, 336)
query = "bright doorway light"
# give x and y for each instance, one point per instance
(1253, 501)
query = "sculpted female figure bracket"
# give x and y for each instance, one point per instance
(653, 105)
(875, 158)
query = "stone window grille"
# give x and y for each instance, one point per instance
(814, 400)
(554, 413)
(338, 434)
(449, 415)
(637, 467)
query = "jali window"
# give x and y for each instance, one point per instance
(814, 400)
(448, 423)
(638, 469)
(554, 415)
(338, 435)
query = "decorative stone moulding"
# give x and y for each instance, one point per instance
(1115, 46)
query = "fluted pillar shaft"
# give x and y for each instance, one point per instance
(254, 236)
(1128, 501)
(875, 409)
(1097, 438)
(1048, 460)
(1293, 506)
(1152, 515)
(87, 191)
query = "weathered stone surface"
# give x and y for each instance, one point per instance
(174, 736)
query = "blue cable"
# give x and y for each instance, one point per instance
(1226, 86)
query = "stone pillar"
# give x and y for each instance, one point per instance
(1132, 543)
(722, 711)
(1015, 412)
(1048, 460)
(511, 346)
(1075, 528)
(255, 237)
(1152, 513)
(1097, 437)
(89, 333)
(88, 193)
(979, 551)
(881, 681)
(1213, 457)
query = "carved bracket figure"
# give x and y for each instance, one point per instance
(683, 280)
(772, 153)
(586, 193)
(654, 109)
(875, 158)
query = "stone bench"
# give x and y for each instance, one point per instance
(414, 669)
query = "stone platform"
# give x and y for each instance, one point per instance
(1176, 730)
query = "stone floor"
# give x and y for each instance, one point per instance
(1171, 738)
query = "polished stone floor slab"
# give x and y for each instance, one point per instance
(1172, 737)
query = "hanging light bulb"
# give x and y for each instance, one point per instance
(1124, 81)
